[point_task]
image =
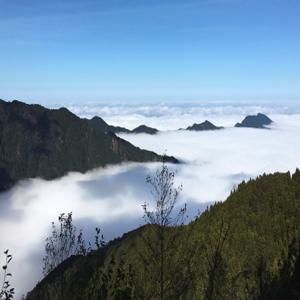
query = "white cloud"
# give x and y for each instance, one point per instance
(166, 116)
(218, 159)
(214, 161)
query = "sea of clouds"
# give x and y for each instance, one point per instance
(166, 116)
(213, 162)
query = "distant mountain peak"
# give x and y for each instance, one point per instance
(100, 124)
(206, 125)
(145, 129)
(255, 121)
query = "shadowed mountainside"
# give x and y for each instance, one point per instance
(145, 129)
(206, 125)
(257, 121)
(40, 142)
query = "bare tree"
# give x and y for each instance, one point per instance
(7, 292)
(65, 240)
(63, 243)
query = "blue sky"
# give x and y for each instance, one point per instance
(121, 51)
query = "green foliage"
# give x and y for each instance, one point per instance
(244, 248)
(163, 263)
(115, 281)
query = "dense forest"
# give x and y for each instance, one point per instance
(246, 247)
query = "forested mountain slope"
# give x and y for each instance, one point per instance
(40, 142)
(244, 248)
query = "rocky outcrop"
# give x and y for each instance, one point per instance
(255, 121)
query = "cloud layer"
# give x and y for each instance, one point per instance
(213, 162)
(165, 116)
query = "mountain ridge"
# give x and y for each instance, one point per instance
(100, 124)
(39, 142)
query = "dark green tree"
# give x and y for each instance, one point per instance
(216, 265)
(114, 282)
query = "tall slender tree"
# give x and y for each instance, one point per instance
(160, 239)
(216, 266)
